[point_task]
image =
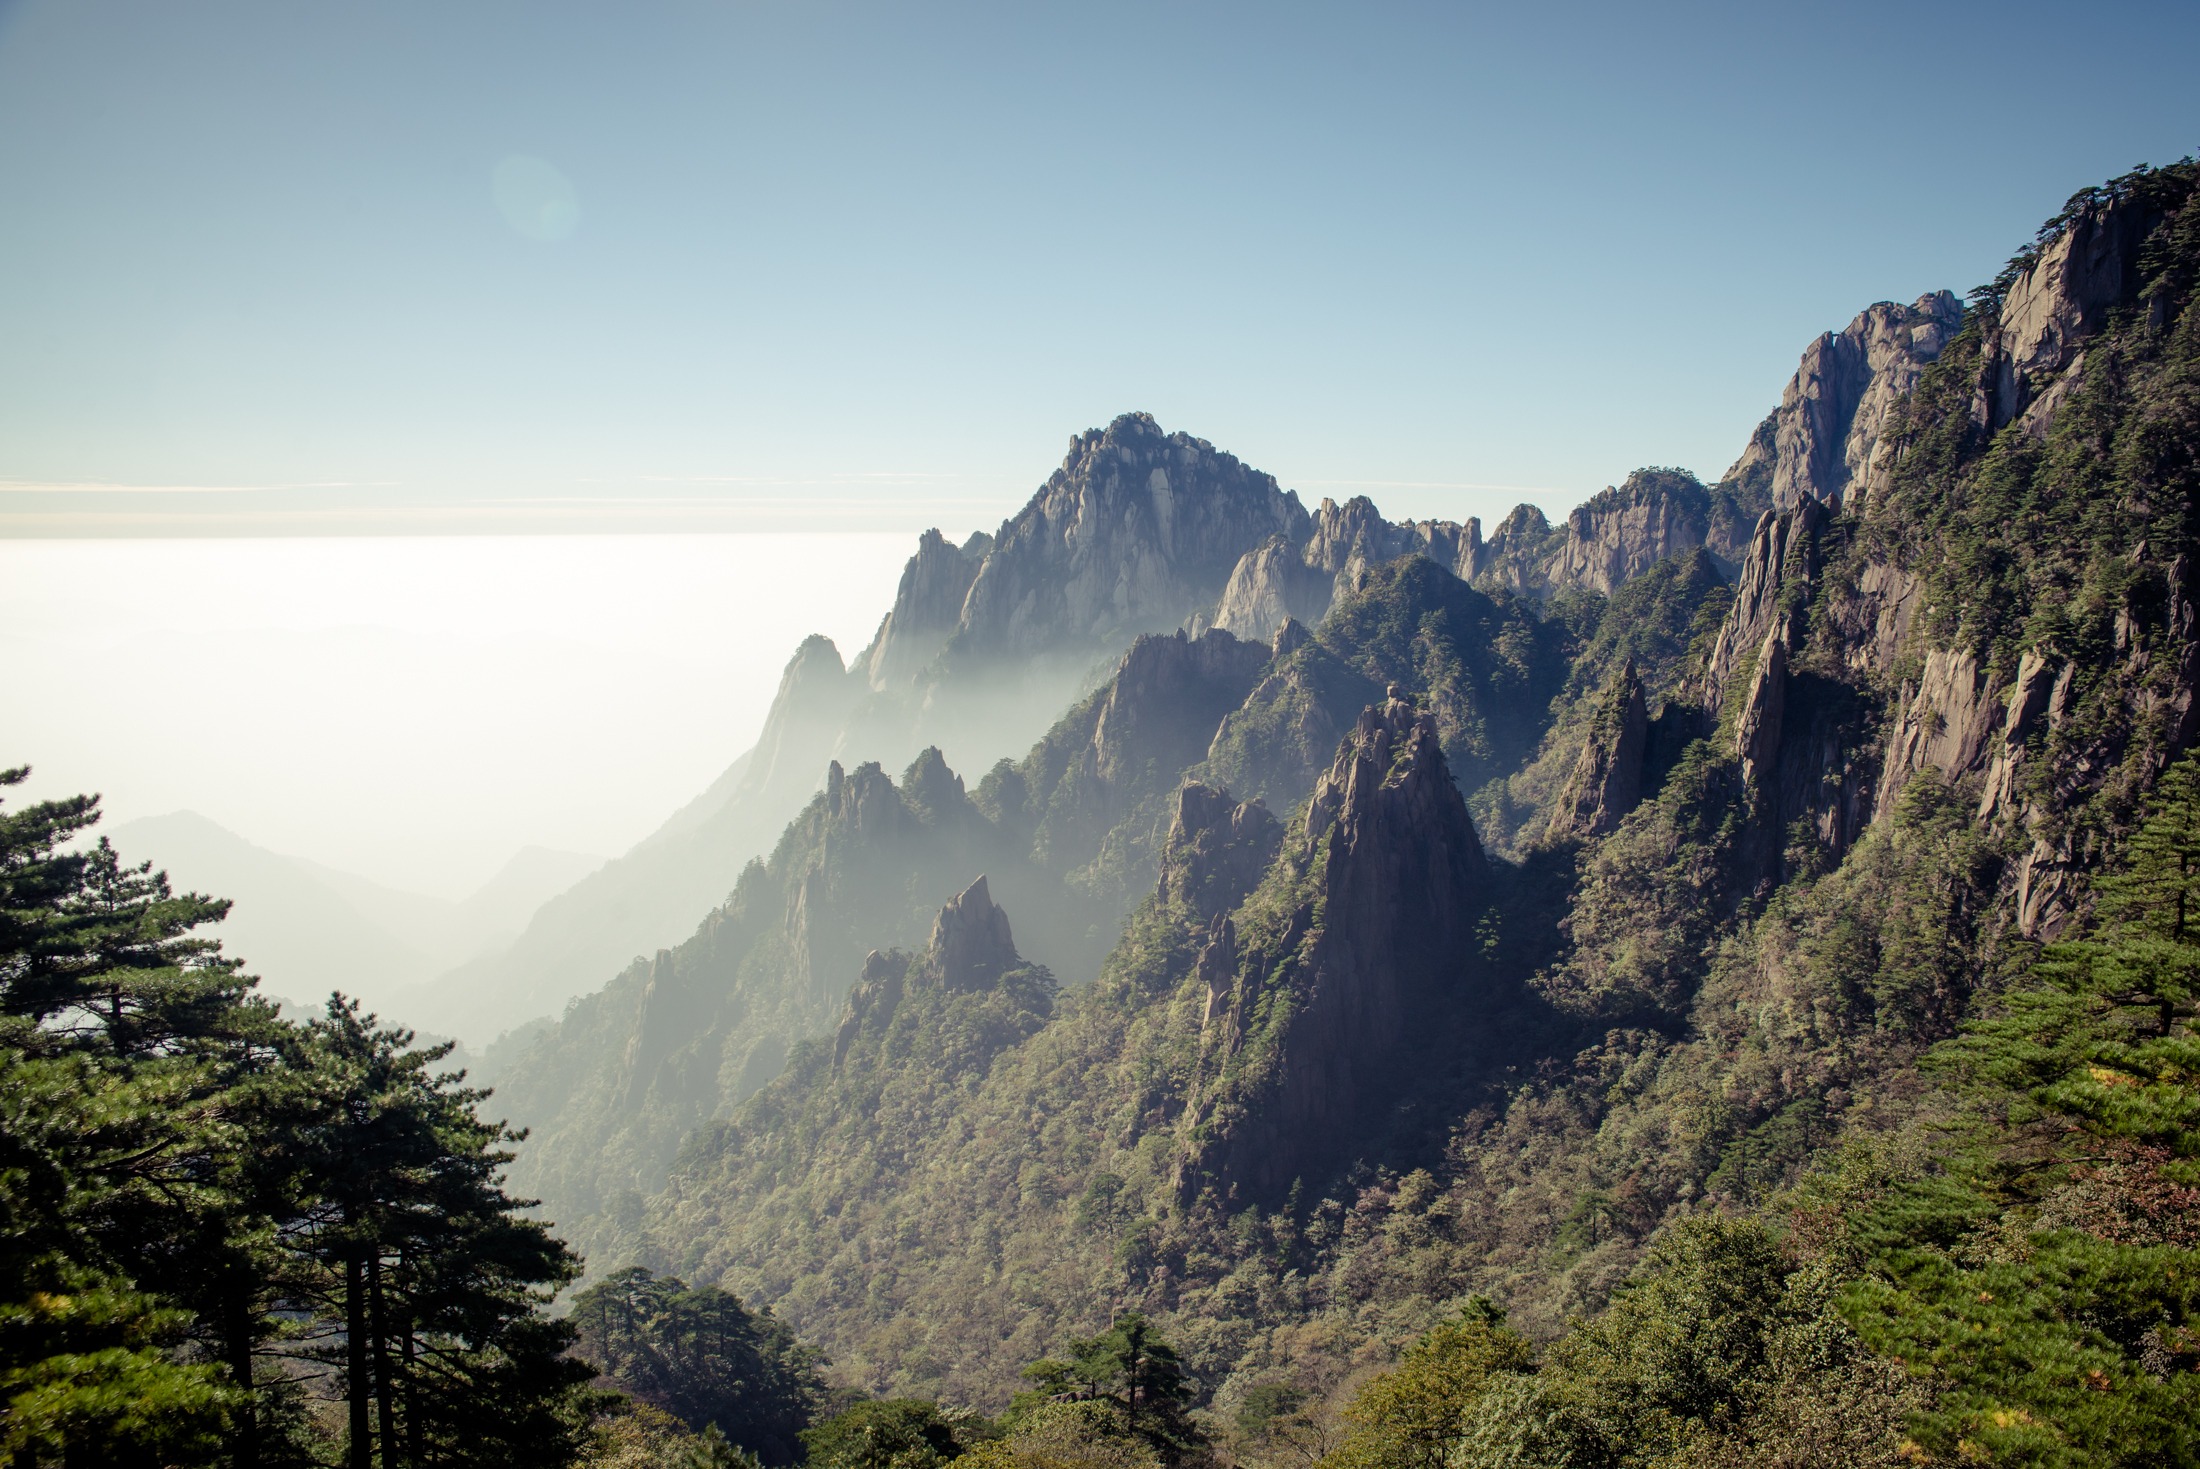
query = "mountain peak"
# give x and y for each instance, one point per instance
(971, 942)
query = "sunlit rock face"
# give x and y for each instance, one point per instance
(1138, 531)
(1824, 441)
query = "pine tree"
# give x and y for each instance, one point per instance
(703, 1356)
(1130, 1368)
(427, 1281)
(120, 1038)
(2047, 1280)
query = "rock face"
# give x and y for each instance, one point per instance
(1604, 544)
(1167, 696)
(804, 726)
(1822, 442)
(1272, 584)
(1136, 532)
(1607, 781)
(1780, 568)
(2062, 299)
(1943, 722)
(927, 608)
(1122, 750)
(1217, 850)
(971, 942)
(1304, 1045)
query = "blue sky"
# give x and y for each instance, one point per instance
(504, 266)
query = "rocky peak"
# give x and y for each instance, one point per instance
(862, 804)
(1389, 785)
(1822, 443)
(1777, 574)
(1138, 531)
(927, 607)
(1272, 584)
(2060, 300)
(814, 698)
(971, 943)
(1356, 529)
(1374, 956)
(1168, 694)
(930, 787)
(1217, 850)
(1617, 536)
(1607, 780)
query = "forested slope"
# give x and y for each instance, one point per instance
(1860, 790)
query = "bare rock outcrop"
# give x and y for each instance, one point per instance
(2053, 306)
(971, 942)
(1138, 531)
(1375, 959)
(1759, 724)
(1606, 782)
(1271, 585)
(1778, 571)
(1943, 722)
(1822, 443)
(1217, 850)
(927, 608)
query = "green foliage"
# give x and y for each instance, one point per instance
(1130, 1367)
(2046, 1274)
(893, 1433)
(1413, 1416)
(702, 1356)
(1721, 1350)
(1487, 667)
(212, 1220)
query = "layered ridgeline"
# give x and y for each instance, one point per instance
(1139, 531)
(1479, 927)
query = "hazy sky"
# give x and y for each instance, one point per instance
(818, 264)
(301, 268)
(414, 709)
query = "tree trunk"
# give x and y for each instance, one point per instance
(245, 1449)
(412, 1399)
(385, 1389)
(355, 1359)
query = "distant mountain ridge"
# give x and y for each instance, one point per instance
(307, 928)
(1139, 531)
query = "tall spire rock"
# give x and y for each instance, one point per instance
(971, 942)
(971, 951)
(1607, 780)
(1335, 990)
(1777, 573)
(1823, 442)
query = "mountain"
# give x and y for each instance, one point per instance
(1501, 904)
(308, 929)
(1138, 531)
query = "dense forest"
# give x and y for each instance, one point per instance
(1628, 994)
